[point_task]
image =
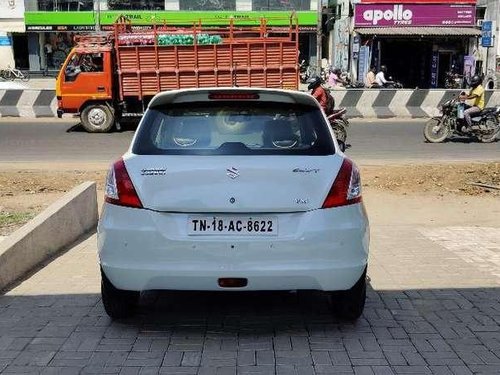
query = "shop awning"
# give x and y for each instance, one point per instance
(418, 31)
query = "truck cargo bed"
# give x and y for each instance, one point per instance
(240, 60)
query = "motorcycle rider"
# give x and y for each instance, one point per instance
(335, 79)
(477, 95)
(318, 92)
(380, 77)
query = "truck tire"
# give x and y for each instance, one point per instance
(97, 118)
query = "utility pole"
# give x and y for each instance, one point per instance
(97, 8)
(319, 37)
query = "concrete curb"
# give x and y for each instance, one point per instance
(29, 103)
(360, 103)
(402, 103)
(60, 225)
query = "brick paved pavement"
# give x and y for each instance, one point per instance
(430, 310)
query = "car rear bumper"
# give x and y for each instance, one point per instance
(322, 250)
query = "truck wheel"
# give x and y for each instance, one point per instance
(97, 118)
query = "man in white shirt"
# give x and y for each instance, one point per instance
(380, 77)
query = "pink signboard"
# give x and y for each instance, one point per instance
(383, 15)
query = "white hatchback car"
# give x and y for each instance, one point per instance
(233, 189)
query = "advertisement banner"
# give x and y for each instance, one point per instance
(434, 69)
(469, 67)
(418, 1)
(487, 34)
(5, 41)
(383, 15)
(48, 21)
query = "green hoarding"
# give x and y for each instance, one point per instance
(46, 21)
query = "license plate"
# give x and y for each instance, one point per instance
(239, 226)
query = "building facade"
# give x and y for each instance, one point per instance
(420, 42)
(12, 48)
(489, 47)
(52, 24)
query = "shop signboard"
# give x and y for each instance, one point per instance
(5, 41)
(434, 69)
(384, 15)
(487, 34)
(364, 61)
(417, 1)
(85, 21)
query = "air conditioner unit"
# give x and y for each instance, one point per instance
(479, 23)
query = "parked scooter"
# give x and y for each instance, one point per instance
(453, 81)
(485, 125)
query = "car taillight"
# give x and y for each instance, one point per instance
(119, 187)
(346, 188)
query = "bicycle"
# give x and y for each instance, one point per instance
(11, 74)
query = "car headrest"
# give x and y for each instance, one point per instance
(279, 134)
(192, 132)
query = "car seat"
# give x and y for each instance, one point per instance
(192, 132)
(279, 134)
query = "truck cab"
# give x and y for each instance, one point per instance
(85, 84)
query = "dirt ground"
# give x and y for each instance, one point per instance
(26, 192)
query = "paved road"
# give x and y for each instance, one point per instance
(371, 142)
(432, 308)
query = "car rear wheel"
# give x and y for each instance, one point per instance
(117, 303)
(349, 304)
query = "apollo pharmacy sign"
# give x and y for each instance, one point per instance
(383, 15)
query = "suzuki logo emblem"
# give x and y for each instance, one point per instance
(232, 172)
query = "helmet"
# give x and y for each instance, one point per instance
(383, 68)
(313, 82)
(475, 80)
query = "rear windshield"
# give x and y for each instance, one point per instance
(233, 128)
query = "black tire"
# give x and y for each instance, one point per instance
(430, 133)
(118, 303)
(349, 304)
(494, 134)
(7, 75)
(97, 118)
(26, 76)
(340, 131)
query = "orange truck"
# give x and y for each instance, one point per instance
(109, 77)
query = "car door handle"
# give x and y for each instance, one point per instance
(100, 88)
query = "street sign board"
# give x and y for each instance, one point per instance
(487, 34)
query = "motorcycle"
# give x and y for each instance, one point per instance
(339, 124)
(485, 125)
(389, 85)
(453, 81)
(351, 84)
(393, 84)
